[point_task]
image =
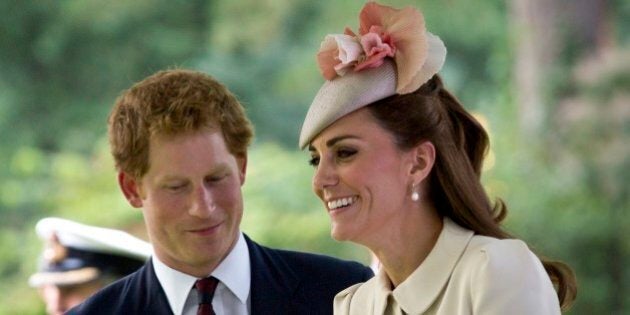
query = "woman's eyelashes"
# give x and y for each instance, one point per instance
(313, 161)
(345, 153)
(340, 155)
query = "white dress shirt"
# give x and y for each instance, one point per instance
(231, 295)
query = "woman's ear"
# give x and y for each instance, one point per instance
(130, 188)
(423, 160)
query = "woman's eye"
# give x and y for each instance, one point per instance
(345, 153)
(314, 161)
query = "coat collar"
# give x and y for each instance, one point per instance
(418, 292)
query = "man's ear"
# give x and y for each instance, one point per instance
(130, 188)
(241, 163)
(423, 161)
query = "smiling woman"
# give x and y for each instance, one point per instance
(349, 154)
(397, 164)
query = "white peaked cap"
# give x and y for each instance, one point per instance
(92, 238)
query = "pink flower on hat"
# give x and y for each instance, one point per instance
(392, 54)
(376, 45)
(338, 52)
(384, 32)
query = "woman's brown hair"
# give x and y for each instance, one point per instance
(433, 114)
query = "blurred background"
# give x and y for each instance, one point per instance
(550, 79)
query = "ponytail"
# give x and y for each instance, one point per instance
(433, 114)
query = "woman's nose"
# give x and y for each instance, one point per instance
(325, 176)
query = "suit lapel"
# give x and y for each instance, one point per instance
(274, 282)
(155, 301)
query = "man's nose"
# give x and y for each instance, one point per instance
(203, 203)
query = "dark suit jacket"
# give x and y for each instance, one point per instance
(283, 282)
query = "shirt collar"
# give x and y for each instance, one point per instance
(234, 272)
(421, 288)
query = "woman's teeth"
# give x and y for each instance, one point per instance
(332, 205)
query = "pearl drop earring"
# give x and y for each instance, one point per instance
(415, 195)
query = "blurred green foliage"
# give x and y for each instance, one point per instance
(64, 62)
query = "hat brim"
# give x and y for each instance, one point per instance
(93, 238)
(345, 94)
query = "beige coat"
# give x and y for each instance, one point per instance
(463, 274)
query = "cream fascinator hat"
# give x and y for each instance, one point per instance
(392, 54)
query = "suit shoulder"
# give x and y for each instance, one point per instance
(113, 298)
(309, 263)
(104, 301)
(319, 263)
